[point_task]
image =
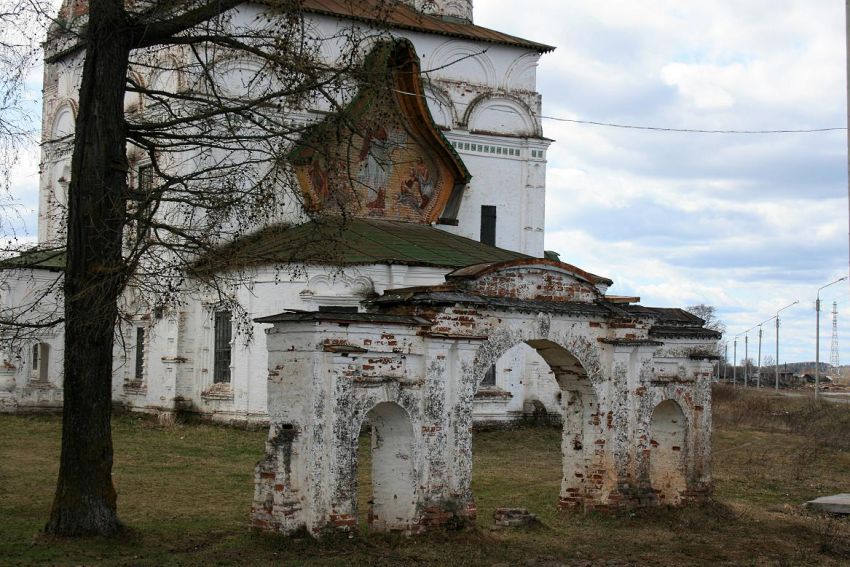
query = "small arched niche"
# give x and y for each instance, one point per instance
(667, 453)
(392, 506)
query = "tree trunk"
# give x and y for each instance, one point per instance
(85, 500)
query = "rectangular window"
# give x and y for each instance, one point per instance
(490, 377)
(223, 338)
(35, 350)
(140, 354)
(145, 187)
(337, 309)
(488, 224)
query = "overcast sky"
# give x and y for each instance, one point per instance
(745, 223)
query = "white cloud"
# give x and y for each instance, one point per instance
(701, 83)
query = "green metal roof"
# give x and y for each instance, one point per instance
(36, 259)
(353, 241)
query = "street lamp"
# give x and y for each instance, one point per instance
(758, 368)
(735, 361)
(776, 373)
(817, 334)
(747, 353)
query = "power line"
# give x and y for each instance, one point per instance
(690, 130)
(651, 128)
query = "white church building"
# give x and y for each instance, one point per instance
(480, 131)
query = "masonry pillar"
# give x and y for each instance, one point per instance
(447, 420)
(291, 483)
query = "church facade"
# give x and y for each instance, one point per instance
(451, 174)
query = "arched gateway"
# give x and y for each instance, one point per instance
(415, 360)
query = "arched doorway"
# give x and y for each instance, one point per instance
(667, 455)
(582, 474)
(587, 474)
(391, 478)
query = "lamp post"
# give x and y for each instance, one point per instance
(817, 334)
(777, 340)
(758, 370)
(747, 354)
(735, 361)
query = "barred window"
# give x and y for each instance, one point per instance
(140, 354)
(222, 353)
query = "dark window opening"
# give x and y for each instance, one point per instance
(490, 377)
(140, 354)
(145, 188)
(488, 224)
(35, 351)
(223, 338)
(337, 309)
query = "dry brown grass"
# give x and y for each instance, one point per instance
(825, 423)
(185, 491)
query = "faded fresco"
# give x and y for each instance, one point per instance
(387, 174)
(382, 157)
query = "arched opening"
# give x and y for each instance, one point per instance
(541, 467)
(667, 452)
(387, 480)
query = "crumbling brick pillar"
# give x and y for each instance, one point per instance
(286, 499)
(446, 432)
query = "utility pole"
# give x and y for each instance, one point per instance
(847, 29)
(735, 362)
(777, 331)
(746, 357)
(776, 368)
(758, 367)
(834, 359)
(761, 333)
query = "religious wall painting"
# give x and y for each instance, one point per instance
(382, 157)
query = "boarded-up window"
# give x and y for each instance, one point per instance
(223, 337)
(140, 354)
(488, 224)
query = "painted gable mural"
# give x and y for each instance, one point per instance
(383, 156)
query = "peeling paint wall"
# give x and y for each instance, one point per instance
(622, 444)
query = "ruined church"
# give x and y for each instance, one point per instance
(437, 309)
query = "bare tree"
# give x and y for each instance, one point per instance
(165, 170)
(21, 26)
(708, 313)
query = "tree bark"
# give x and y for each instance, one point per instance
(85, 500)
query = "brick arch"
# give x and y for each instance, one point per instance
(395, 497)
(395, 411)
(588, 476)
(694, 464)
(567, 352)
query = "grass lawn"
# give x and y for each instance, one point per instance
(185, 492)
